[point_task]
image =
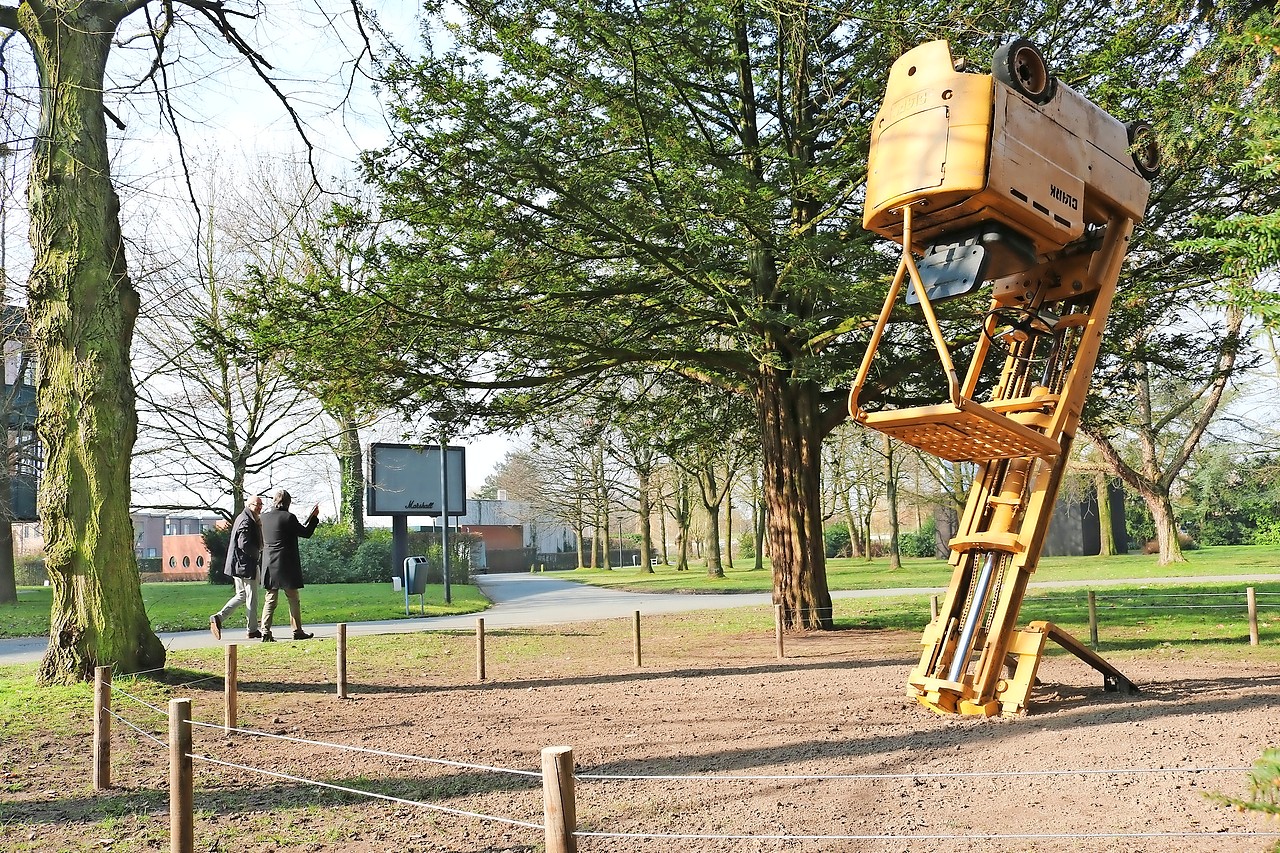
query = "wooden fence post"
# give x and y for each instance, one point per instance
(102, 728)
(559, 813)
(229, 687)
(635, 637)
(480, 674)
(777, 631)
(181, 800)
(1093, 621)
(341, 637)
(1252, 596)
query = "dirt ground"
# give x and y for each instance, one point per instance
(698, 709)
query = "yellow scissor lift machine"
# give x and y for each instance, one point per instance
(1013, 178)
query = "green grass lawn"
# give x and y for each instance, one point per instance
(847, 573)
(186, 606)
(1129, 617)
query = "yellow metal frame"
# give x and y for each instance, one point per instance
(1021, 436)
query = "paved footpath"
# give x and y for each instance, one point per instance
(525, 600)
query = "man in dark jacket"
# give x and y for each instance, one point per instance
(281, 565)
(241, 565)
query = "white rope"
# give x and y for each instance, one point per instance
(137, 729)
(382, 752)
(1169, 595)
(1237, 605)
(161, 711)
(956, 774)
(387, 797)
(989, 837)
(199, 681)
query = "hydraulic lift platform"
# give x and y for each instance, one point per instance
(1011, 178)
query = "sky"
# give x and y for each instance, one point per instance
(222, 107)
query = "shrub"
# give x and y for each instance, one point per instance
(29, 571)
(372, 561)
(1267, 534)
(1152, 546)
(326, 556)
(836, 540)
(216, 539)
(920, 543)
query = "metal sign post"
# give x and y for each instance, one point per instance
(444, 529)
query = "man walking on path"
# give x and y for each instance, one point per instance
(281, 565)
(243, 552)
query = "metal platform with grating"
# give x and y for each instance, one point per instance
(973, 433)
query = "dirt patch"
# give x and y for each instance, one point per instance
(698, 707)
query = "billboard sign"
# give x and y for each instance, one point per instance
(405, 479)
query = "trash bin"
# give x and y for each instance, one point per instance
(413, 580)
(414, 577)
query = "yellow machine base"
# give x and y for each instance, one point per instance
(1013, 692)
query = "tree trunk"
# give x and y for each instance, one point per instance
(792, 451)
(728, 536)
(1106, 533)
(714, 568)
(646, 528)
(8, 577)
(1166, 528)
(712, 499)
(895, 556)
(855, 529)
(581, 541)
(662, 531)
(760, 524)
(683, 515)
(351, 477)
(83, 309)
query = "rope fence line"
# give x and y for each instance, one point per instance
(1075, 599)
(155, 708)
(1126, 601)
(951, 774)
(197, 681)
(372, 794)
(1191, 606)
(146, 734)
(1030, 836)
(379, 752)
(558, 780)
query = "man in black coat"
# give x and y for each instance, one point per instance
(241, 565)
(281, 566)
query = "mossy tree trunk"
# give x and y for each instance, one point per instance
(1106, 532)
(83, 307)
(351, 471)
